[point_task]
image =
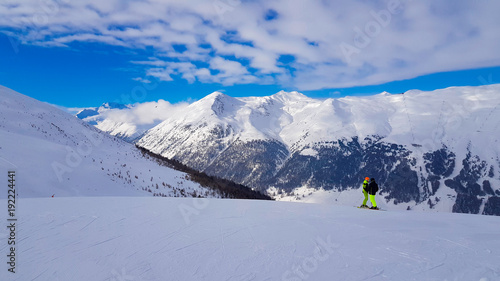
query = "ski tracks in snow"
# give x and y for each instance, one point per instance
(99, 239)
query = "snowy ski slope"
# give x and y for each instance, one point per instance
(55, 153)
(117, 239)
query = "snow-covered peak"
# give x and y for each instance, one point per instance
(209, 99)
(60, 155)
(93, 111)
(114, 119)
(214, 95)
(217, 103)
(112, 105)
(384, 94)
(87, 112)
(293, 96)
(413, 118)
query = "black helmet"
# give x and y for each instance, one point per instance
(372, 179)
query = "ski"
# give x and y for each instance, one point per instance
(370, 209)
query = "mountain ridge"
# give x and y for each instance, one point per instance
(332, 144)
(56, 154)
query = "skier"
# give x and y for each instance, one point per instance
(372, 190)
(365, 192)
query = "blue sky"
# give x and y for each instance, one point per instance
(83, 54)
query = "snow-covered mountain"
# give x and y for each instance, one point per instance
(54, 153)
(124, 129)
(93, 111)
(128, 122)
(434, 150)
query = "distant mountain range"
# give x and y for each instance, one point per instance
(433, 150)
(55, 154)
(93, 111)
(99, 117)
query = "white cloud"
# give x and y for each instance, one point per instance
(161, 73)
(386, 40)
(70, 110)
(228, 67)
(152, 61)
(142, 80)
(90, 38)
(229, 72)
(145, 113)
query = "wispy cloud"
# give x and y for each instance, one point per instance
(333, 44)
(142, 80)
(145, 113)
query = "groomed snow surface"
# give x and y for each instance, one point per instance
(145, 238)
